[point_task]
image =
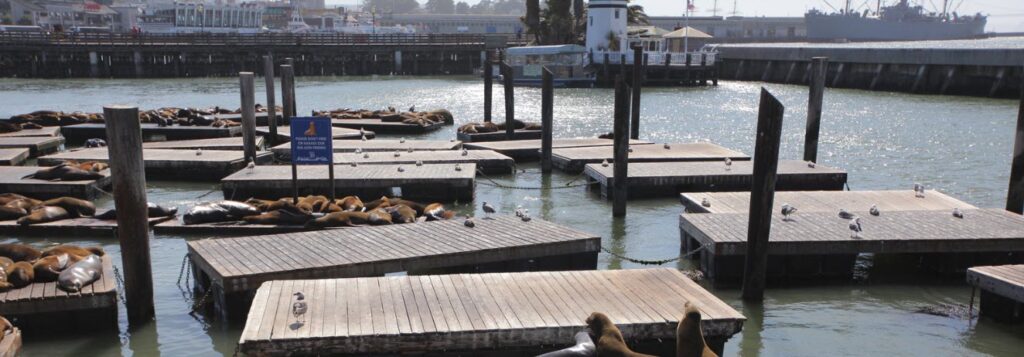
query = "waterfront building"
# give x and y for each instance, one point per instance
(187, 17)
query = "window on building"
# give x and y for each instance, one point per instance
(616, 13)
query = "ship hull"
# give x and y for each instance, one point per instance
(822, 28)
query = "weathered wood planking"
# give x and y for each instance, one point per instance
(485, 160)
(14, 156)
(37, 145)
(429, 182)
(71, 227)
(386, 127)
(12, 180)
(572, 160)
(171, 163)
(530, 149)
(520, 134)
(43, 298)
(79, 133)
(284, 133)
(176, 226)
(232, 143)
(1003, 280)
(284, 151)
(467, 314)
(238, 265)
(45, 131)
(815, 233)
(667, 179)
(857, 202)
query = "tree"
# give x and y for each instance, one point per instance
(392, 6)
(461, 8)
(440, 6)
(635, 15)
(555, 25)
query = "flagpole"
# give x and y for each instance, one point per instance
(686, 27)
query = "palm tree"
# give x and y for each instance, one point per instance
(635, 15)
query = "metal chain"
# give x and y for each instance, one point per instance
(207, 193)
(181, 273)
(499, 185)
(120, 285)
(198, 304)
(652, 262)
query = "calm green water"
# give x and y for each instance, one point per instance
(958, 145)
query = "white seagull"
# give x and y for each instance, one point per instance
(787, 210)
(469, 222)
(855, 227)
(918, 190)
(299, 307)
(488, 210)
(199, 151)
(465, 152)
(874, 210)
(957, 212)
(419, 162)
(728, 164)
(844, 214)
(811, 164)
(604, 163)
(705, 202)
(402, 140)
(458, 167)
(397, 153)
(251, 167)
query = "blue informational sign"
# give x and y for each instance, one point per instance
(311, 141)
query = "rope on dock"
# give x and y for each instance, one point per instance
(569, 184)
(652, 262)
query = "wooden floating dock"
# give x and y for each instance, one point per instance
(169, 163)
(500, 135)
(857, 202)
(476, 314)
(820, 244)
(13, 156)
(261, 117)
(220, 229)
(485, 160)
(37, 145)
(45, 306)
(235, 267)
(45, 131)
(668, 179)
(79, 133)
(530, 149)
(232, 143)
(284, 133)
(284, 151)
(572, 160)
(12, 181)
(1002, 291)
(386, 127)
(71, 227)
(428, 182)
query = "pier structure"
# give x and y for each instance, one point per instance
(184, 163)
(529, 150)
(441, 182)
(1002, 291)
(44, 307)
(14, 179)
(572, 160)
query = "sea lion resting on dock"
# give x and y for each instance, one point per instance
(6, 127)
(64, 172)
(287, 215)
(379, 216)
(44, 214)
(19, 252)
(340, 219)
(436, 212)
(75, 252)
(20, 274)
(350, 203)
(220, 211)
(74, 206)
(154, 210)
(81, 274)
(5, 264)
(47, 269)
(401, 214)
(8, 197)
(94, 166)
(17, 208)
(609, 339)
(584, 348)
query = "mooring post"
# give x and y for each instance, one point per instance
(621, 169)
(268, 74)
(287, 91)
(638, 78)
(817, 93)
(1015, 195)
(127, 171)
(248, 93)
(762, 195)
(547, 97)
(488, 85)
(291, 63)
(510, 112)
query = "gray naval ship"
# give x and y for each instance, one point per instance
(899, 22)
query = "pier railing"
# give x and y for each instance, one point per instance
(261, 39)
(657, 58)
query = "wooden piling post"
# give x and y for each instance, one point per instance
(488, 86)
(291, 63)
(621, 172)
(268, 74)
(817, 93)
(762, 195)
(124, 137)
(547, 96)
(248, 94)
(287, 91)
(510, 107)
(638, 78)
(1015, 195)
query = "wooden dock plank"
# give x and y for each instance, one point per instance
(71, 227)
(572, 160)
(79, 133)
(633, 288)
(36, 145)
(170, 163)
(530, 149)
(39, 298)
(1003, 280)
(519, 134)
(45, 131)
(485, 160)
(386, 127)
(13, 156)
(857, 202)
(284, 133)
(231, 143)
(284, 151)
(12, 180)
(663, 179)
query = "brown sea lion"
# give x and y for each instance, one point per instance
(609, 339)
(350, 203)
(436, 212)
(260, 204)
(64, 172)
(74, 206)
(341, 219)
(689, 339)
(379, 216)
(8, 213)
(31, 126)
(419, 207)
(312, 203)
(44, 214)
(279, 217)
(73, 250)
(46, 269)
(19, 252)
(6, 127)
(8, 197)
(20, 274)
(94, 166)
(401, 214)
(383, 201)
(5, 264)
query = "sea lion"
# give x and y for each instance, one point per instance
(30, 126)
(154, 210)
(74, 206)
(609, 339)
(419, 207)
(13, 211)
(5, 264)
(95, 143)
(313, 203)
(436, 212)
(94, 166)
(350, 203)
(19, 252)
(340, 219)
(219, 211)
(401, 214)
(280, 217)
(6, 127)
(383, 201)
(260, 204)
(43, 214)
(584, 348)
(311, 131)
(64, 172)
(80, 274)
(74, 251)
(379, 216)
(20, 274)
(689, 338)
(47, 269)
(8, 197)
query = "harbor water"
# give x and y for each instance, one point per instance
(961, 146)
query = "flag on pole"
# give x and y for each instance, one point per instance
(689, 5)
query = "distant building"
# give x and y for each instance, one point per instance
(441, 23)
(182, 17)
(63, 15)
(738, 28)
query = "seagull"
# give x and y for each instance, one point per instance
(519, 211)
(465, 152)
(412, 108)
(400, 169)
(630, 149)
(604, 163)
(705, 202)
(452, 140)
(469, 222)
(199, 151)
(957, 212)
(366, 155)
(410, 150)
(299, 306)
(855, 227)
(419, 162)
(728, 164)
(402, 140)
(844, 214)
(488, 210)
(667, 147)
(458, 167)
(353, 164)
(362, 133)
(811, 164)
(918, 190)
(251, 167)
(525, 217)
(787, 210)
(398, 153)
(363, 137)
(874, 210)
(359, 150)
